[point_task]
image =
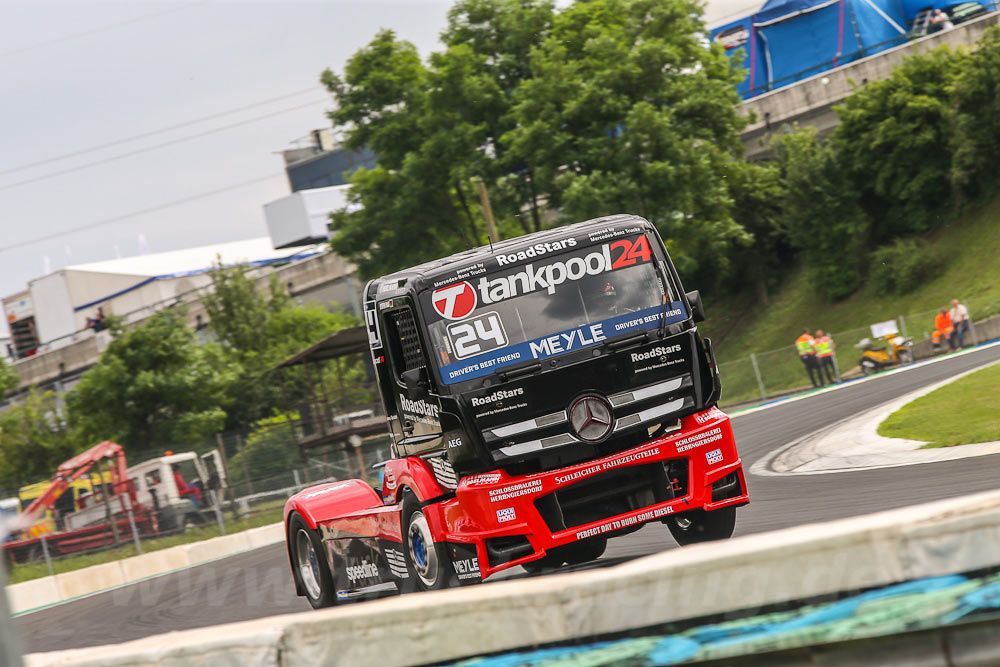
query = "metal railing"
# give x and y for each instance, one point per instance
(760, 376)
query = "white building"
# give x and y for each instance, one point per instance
(55, 309)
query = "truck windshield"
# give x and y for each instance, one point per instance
(555, 305)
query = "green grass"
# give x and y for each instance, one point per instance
(959, 413)
(739, 325)
(264, 514)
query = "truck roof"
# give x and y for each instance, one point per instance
(424, 275)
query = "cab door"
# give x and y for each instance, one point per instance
(416, 426)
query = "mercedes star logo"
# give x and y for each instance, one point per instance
(591, 418)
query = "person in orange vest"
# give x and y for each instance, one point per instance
(805, 346)
(825, 347)
(943, 328)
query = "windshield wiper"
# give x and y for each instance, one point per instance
(509, 373)
(625, 341)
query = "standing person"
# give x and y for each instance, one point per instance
(805, 346)
(825, 347)
(959, 315)
(942, 20)
(944, 327)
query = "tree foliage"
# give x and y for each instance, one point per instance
(9, 379)
(154, 387)
(604, 107)
(257, 329)
(267, 452)
(33, 440)
(977, 120)
(820, 213)
(626, 110)
(895, 137)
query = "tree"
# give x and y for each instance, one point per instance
(604, 107)
(436, 129)
(977, 120)
(269, 451)
(758, 191)
(628, 111)
(238, 312)
(820, 213)
(154, 387)
(894, 138)
(33, 440)
(9, 379)
(257, 329)
(408, 206)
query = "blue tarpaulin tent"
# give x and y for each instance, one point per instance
(735, 37)
(789, 40)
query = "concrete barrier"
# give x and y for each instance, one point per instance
(35, 593)
(154, 563)
(810, 101)
(199, 552)
(260, 537)
(89, 579)
(28, 595)
(745, 573)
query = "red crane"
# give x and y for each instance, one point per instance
(90, 537)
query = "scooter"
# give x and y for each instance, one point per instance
(896, 350)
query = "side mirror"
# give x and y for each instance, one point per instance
(417, 383)
(697, 309)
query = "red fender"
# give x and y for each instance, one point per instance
(410, 473)
(332, 500)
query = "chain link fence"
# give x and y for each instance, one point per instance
(181, 497)
(775, 373)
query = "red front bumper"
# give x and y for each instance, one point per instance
(496, 505)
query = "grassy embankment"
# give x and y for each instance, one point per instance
(970, 270)
(959, 413)
(265, 514)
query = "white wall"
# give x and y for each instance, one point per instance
(54, 317)
(303, 216)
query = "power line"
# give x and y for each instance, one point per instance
(120, 156)
(94, 31)
(168, 128)
(133, 214)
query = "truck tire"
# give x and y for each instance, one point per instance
(574, 553)
(585, 550)
(700, 526)
(427, 562)
(549, 561)
(312, 574)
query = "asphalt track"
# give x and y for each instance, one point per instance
(257, 583)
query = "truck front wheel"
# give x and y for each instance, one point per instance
(700, 526)
(428, 563)
(311, 571)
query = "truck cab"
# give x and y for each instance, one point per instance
(483, 356)
(542, 394)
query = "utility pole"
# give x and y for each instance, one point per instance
(491, 226)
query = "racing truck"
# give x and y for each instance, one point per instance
(543, 394)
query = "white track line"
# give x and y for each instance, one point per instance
(763, 466)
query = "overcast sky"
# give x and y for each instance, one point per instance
(78, 75)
